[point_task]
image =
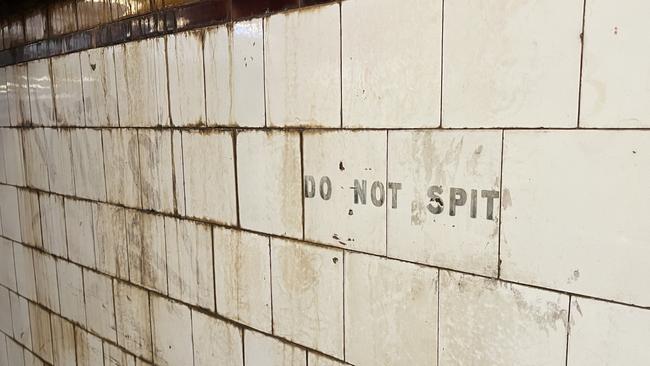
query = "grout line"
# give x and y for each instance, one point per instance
(582, 51)
(568, 332)
(442, 59)
(234, 136)
(214, 270)
(341, 61)
(302, 181)
(271, 285)
(266, 117)
(344, 322)
(500, 207)
(438, 321)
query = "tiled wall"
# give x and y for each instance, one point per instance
(344, 184)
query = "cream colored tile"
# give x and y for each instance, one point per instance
(145, 235)
(308, 295)
(15, 353)
(5, 118)
(100, 310)
(47, 288)
(557, 232)
(6, 325)
(133, 319)
(58, 155)
(79, 231)
(390, 311)
(63, 342)
(216, 342)
(25, 275)
(89, 348)
(391, 78)
(122, 167)
(88, 163)
(114, 356)
(30, 218)
(109, 233)
(314, 359)
(12, 154)
(32, 360)
(7, 264)
(99, 87)
(71, 291)
(335, 212)
(516, 70)
(18, 94)
(9, 216)
(483, 321)
(53, 221)
(186, 80)
(171, 324)
(177, 163)
(261, 350)
(41, 100)
(268, 173)
(67, 90)
(36, 157)
(20, 320)
(41, 332)
(4, 361)
(156, 179)
(216, 201)
(290, 54)
(242, 267)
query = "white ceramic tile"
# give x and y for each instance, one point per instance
(12, 154)
(483, 321)
(5, 118)
(63, 342)
(335, 212)
(185, 72)
(18, 94)
(171, 325)
(79, 231)
(114, 356)
(89, 348)
(242, 267)
(145, 235)
(133, 319)
(53, 216)
(156, 178)
(71, 291)
(7, 266)
(307, 287)
(67, 90)
(109, 231)
(190, 275)
(614, 69)
(122, 169)
(607, 334)
(234, 74)
(177, 163)
(390, 311)
(215, 201)
(216, 342)
(15, 353)
(9, 217)
(98, 292)
(6, 325)
(440, 173)
(47, 288)
(515, 70)
(261, 350)
(41, 332)
(41, 99)
(30, 218)
(556, 231)
(25, 275)
(88, 163)
(290, 54)
(391, 77)
(314, 359)
(36, 157)
(268, 173)
(20, 320)
(58, 155)
(99, 87)
(142, 83)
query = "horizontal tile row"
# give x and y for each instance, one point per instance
(360, 74)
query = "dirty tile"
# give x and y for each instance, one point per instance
(532, 322)
(91, 13)
(5, 118)
(12, 154)
(79, 231)
(30, 218)
(20, 319)
(614, 68)
(114, 356)
(25, 275)
(63, 342)
(607, 334)
(517, 70)
(344, 189)
(122, 167)
(133, 319)
(98, 292)
(71, 291)
(124, 8)
(18, 94)
(234, 80)
(6, 325)
(447, 208)
(36, 157)
(261, 350)
(15, 353)
(216, 201)
(243, 277)
(550, 183)
(156, 181)
(109, 234)
(59, 160)
(62, 17)
(308, 295)
(369, 311)
(171, 324)
(89, 348)
(47, 288)
(145, 237)
(142, 81)
(41, 332)
(391, 77)
(40, 93)
(88, 163)
(190, 275)
(314, 359)
(7, 264)
(54, 233)
(177, 165)
(268, 173)
(215, 342)
(99, 87)
(67, 90)
(291, 54)
(9, 212)
(35, 25)
(186, 90)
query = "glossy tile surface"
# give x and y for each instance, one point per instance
(41, 99)
(186, 79)
(99, 87)
(67, 90)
